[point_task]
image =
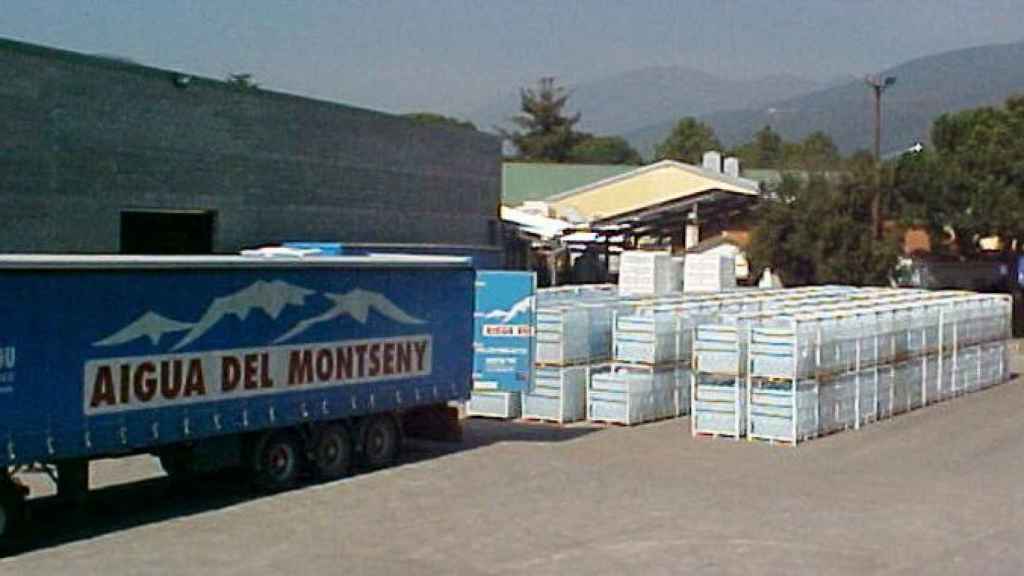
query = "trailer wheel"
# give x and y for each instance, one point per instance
(381, 442)
(276, 461)
(332, 454)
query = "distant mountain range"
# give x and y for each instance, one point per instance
(643, 105)
(924, 89)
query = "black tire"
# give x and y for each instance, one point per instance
(332, 454)
(277, 461)
(381, 442)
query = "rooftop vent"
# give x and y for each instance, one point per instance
(712, 161)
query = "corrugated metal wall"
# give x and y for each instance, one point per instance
(84, 138)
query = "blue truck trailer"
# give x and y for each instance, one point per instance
(281, 365)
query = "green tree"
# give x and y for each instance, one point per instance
(769, 150)
(545, 133)
(922, 188)
(746, 154)
(818, 153)
(765, 150)
(972, 185)
(817, 230)
(792, 153)
(688, 142)
(439, 120)
(604, 150)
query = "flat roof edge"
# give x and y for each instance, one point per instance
(105, 262)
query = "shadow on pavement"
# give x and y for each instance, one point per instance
(143, 501)
(123, 506)
(481, 432)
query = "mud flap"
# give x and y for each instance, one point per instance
(437, 422)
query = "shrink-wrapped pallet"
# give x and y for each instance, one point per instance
(647, 337)
(709, 273)
(558, 395)
(631, 395)
(642, 272)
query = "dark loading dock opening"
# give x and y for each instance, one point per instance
(167, 232)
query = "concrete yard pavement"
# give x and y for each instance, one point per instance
(935, 491)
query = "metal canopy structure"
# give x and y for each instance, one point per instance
(710, 207)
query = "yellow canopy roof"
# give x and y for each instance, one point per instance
(644, 187)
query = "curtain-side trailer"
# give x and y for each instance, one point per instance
(277, 364)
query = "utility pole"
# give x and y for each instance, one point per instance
(878, 85)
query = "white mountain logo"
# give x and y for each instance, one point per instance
(269, 297)
(524, 305)
(150, 325)
(356, 304)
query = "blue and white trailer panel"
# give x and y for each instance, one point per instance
(503, 341)
(112, 354)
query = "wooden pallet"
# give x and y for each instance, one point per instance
(720, 374)
(544, 421)
(716, 436)
(646, 365)
(773, 441)
(563, 365)
(609, 423)
(619, 424)
(771, 379)
(790, 443)
(822, 434)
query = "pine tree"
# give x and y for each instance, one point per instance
(545, 132)
(688, 142)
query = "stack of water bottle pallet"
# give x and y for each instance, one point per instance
(651, 374)
(826, 366)
(632, 350)
(780, 365)
(719, 399)
(573, 333)
(638, 371)
(649, 359)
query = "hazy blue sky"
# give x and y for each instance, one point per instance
(450, 55)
